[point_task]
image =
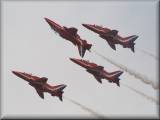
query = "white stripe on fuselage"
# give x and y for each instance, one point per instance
(58, 88)
(115, 74)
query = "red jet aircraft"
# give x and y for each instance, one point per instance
(98, 71)
(71, 35)
(39, 83)
(112, 37)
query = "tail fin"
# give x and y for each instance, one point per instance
(130, 41)
(58, 91)
(115, 75)
(82, 48)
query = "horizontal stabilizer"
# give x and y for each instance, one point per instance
(132, 48)
(60, 96)
(117, 82)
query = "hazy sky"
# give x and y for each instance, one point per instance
(29, 45)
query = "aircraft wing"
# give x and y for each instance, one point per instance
(40, 93)
(98, 78)
(112, 45)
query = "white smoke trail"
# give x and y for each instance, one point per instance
(96, 114)
(147, 53)
(142, 94)
(143, 78)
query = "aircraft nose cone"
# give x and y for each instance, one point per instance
(49, 22)
(77, 61)
(15, 72)
(89, 26)
(86, 25)
(73, 59)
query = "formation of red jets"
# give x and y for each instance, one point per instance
(111, 36)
